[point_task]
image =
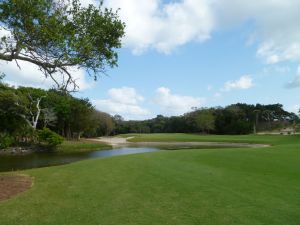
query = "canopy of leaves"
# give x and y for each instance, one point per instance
(58, 35)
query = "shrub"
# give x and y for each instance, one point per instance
(6, 141)
(49, 137)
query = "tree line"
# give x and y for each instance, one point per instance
(24, 110)
(233, 119)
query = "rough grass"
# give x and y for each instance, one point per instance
(81, 146)
(211, 187)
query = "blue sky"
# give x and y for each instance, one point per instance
(211, 56)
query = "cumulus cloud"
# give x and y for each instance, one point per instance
(30, 75)
(173, 104)
(124, 101)
(296, 82)
(152, 24)
(155, 24)
(245, 82)
(276, 25)
(125, 95)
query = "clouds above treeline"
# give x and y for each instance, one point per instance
(150, 24)
(166, 25)
(124, 101)
(28, 74)
(244, 82)
(127, 102)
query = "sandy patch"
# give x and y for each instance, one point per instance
(113, 140)
(10, 186)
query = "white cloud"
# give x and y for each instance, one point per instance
(172, 104)
(276, 25)
(151, 24)
(245, 82)
(164, 26)
(30, 75)
(125, 95)
(124, 101)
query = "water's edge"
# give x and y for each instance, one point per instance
(36, 160)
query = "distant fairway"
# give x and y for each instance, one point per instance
(182, 187)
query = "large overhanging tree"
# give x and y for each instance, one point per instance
(60, 35)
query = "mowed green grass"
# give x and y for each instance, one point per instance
(179, 137)
(188, 187)
(83, 145)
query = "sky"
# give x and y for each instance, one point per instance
(182, 54)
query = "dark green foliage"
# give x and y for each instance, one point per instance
(74, 118)
(6, 141)
(234, 119)
(11, 112)
(60, 35)
(50, 138)
(70, 117)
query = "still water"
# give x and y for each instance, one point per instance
(35, 160)
(12, 163)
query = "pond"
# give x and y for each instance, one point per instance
(20, 162)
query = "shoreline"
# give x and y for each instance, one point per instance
(119, 141)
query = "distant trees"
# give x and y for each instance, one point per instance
(24, 110)
(201, 120)
(233, 119)
(104, 124)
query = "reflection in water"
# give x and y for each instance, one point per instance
(11, 163)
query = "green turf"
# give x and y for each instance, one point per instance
(188, 187)
(71, 147)
(179, 137)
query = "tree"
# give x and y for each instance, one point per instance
(31, 99)
(11, 114)
(256, 111)
(58, 35)
(105, 124)
(80, 117)
(205, 120)
(49, 117)
(232, 120)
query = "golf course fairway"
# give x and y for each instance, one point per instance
(252, 186)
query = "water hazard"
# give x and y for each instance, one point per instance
(36, 160)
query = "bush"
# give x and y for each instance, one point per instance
(49, 137)
(6, 141)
